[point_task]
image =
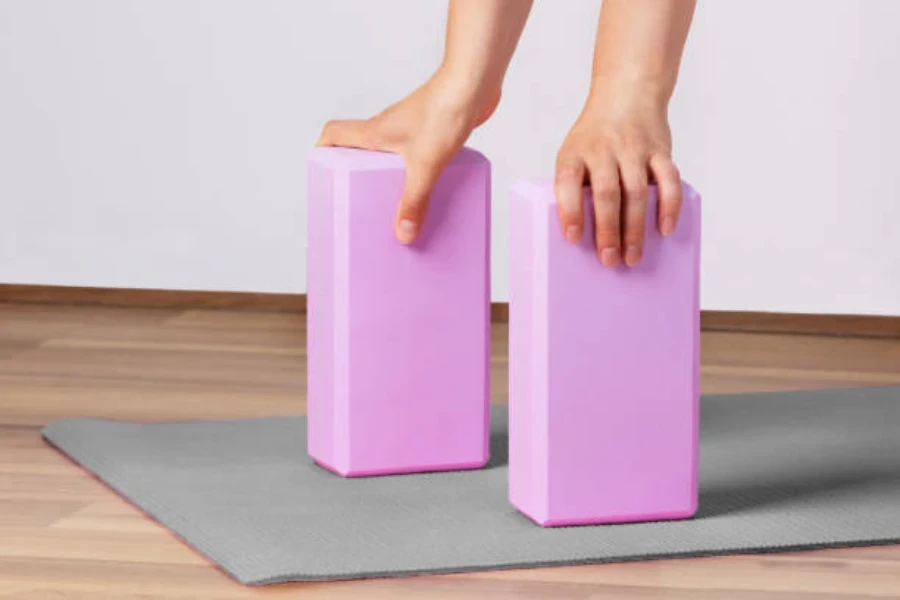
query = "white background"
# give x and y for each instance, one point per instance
(161, 143)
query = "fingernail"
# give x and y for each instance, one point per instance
(407, 231)
(632, 256)
(668, 225)
(573, 233)
(609, 257)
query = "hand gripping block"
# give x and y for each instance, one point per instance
(398, 335)
(604, 369)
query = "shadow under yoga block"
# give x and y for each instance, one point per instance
(398, 336)
(603, 369)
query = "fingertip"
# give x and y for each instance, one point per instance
(633, 170)
(407, 231)
(633, 255)
(570, 219)
(412, 209)
(609, 257)
(669, 207)
(607, 200)
(573, 233)
(327, 135)
(570, 173)
(348, 133)
(410, 217)
(668, 182)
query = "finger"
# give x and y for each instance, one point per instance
(668, 182)
(570, 171)
(606, 194)
(350, 134)
(421, 176)
(634, 210)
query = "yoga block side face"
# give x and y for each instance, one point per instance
(604, 381)
(398, 335)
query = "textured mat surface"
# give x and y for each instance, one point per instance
(778, 471)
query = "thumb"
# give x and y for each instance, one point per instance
(413, 206)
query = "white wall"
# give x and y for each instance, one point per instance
(161, 143)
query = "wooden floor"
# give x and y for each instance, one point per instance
(64, 535)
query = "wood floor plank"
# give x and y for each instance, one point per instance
(245, 320)
(35, 515)
(803, 378)
(158, 365)
(46, 315)
(35, 399)
(784, 573)
(151, 546)
(188, 338)
(863, 355)
(9, 349)
(65, 535)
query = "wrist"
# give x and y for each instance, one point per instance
(463, 91)
(632, 88)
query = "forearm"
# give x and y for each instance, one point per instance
(640, 44)
(481, 38)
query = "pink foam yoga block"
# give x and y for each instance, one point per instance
(398, 344)
(603, 369)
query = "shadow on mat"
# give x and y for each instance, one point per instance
(499, 446)
(753, 496)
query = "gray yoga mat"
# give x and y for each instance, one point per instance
(778, 471)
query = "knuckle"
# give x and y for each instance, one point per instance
(636, 191)
(607, 237)
(413, 208)
(636, 149)
(599, 147)
(634, 234)
(606, 188)
(607, 227)
(571, 217)
(569, 171)
(673, 171)
(671, 175)
(666, 167)
(634, 221)
(416, 195)
(671, 202)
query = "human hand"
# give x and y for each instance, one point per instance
(620, 144)
(427, 129)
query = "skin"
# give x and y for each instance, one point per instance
(618, 145)
(428, 127)
(621, 141)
